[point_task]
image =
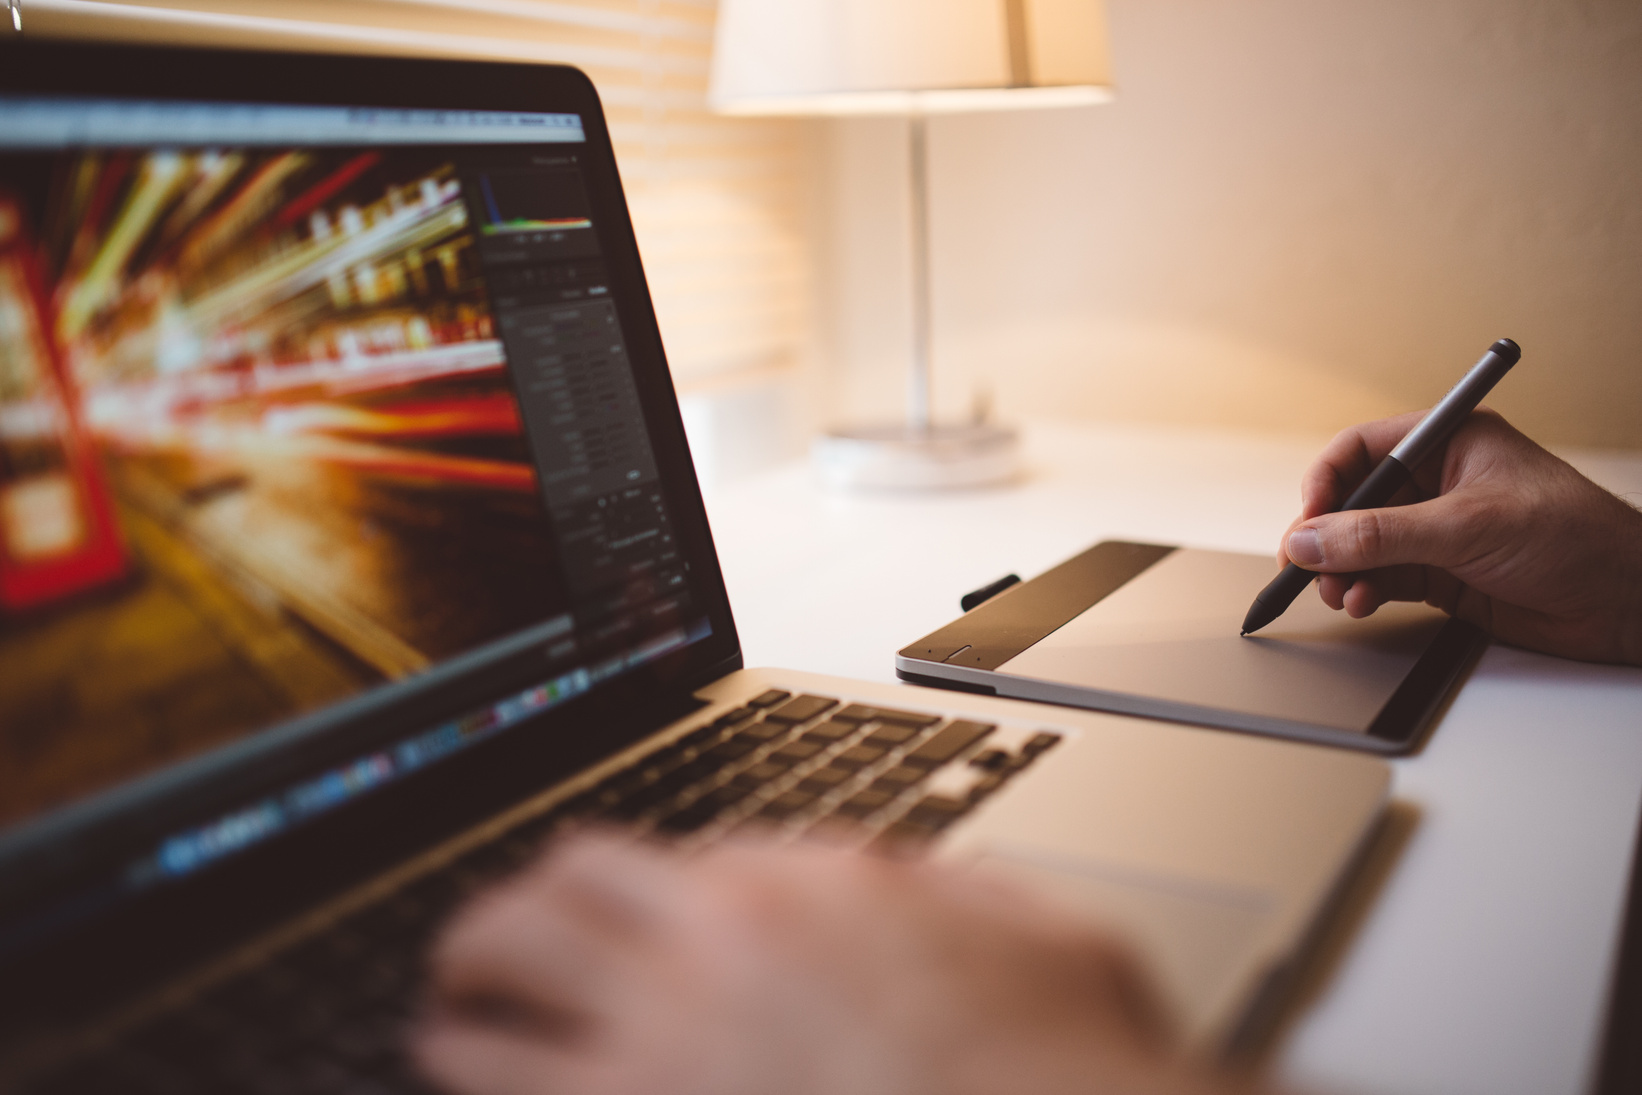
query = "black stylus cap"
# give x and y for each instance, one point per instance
(1510, 351)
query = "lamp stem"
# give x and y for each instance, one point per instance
(918, 388)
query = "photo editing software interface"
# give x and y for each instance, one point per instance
(295, 402)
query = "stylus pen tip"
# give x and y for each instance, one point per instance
(1259, 616)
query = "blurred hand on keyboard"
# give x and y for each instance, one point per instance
(611, 968)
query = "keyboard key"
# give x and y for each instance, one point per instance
(936, 812)
(865, 803)
(632, 805)
(892, 734)
(786, 804)
(739, 715)
(859, 712)
(759, 774)
(798, 750)
(625, 785)
(702, 736)
(952, 740)
(825, 779)
(899, 778)
(802, 709)
(764, 731)
(726, 751)
(902, 838)
(686, 820)
(659, 793)
(695, 770)
(858, 756)
(689, 819)
(664, 760)
(831, 730)
(1039, 742)
(768, 699)
(704, 809)
(725, 797)
(991, 760)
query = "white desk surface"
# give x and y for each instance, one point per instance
(1477, 956)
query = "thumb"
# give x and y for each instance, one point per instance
(1429, 533)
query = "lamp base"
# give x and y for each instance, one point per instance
(903, 458)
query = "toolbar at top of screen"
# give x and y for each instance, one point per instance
(54, 122)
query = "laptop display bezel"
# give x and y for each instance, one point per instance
(129, 942)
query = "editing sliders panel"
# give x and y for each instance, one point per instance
(580, 407)
(580, 402)
(599, 476)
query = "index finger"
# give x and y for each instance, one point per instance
(1348, 459)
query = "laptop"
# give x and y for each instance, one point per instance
(350, 547)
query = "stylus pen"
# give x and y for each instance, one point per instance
(1395, 470)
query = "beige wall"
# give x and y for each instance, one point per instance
(1298, 213)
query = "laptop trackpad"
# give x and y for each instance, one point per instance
(1198, 940)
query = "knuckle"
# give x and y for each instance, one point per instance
(1369, 536)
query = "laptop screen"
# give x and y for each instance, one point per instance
(297, 402)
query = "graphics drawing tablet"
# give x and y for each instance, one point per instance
(1144, 629)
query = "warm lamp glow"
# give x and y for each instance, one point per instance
(913, 58)
(907, 56)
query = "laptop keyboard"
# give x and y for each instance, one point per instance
(329, 1013)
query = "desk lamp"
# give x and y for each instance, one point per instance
(910, 58)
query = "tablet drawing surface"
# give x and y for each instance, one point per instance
(1169, 638)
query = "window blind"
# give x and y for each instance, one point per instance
(715, 201)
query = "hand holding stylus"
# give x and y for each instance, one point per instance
(1498, 532)
(1395, 468)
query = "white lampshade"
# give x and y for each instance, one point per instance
(907, 56)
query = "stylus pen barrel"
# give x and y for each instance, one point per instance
(1382, 484)
(1436, 427)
